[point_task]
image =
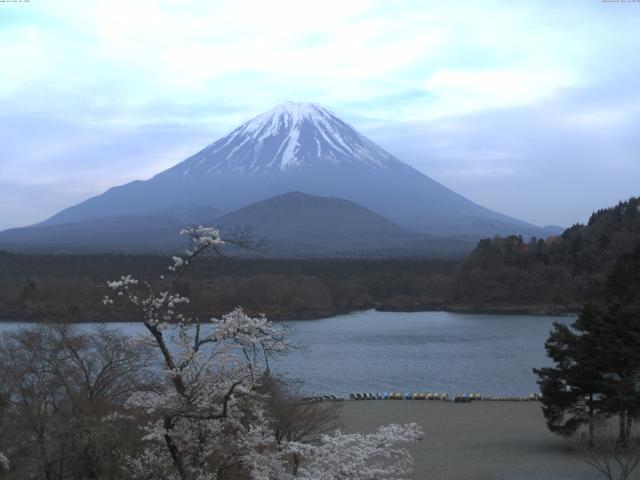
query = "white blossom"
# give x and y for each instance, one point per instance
(124, 282)
(202, 236)
(357, 456)
(249, 331)
(177, 263)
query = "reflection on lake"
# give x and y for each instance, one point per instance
(417, 351)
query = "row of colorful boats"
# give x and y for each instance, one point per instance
(323, 398)
(399, 396)
(458, 398)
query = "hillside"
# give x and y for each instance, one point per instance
(561, 271)
(296, 224)
(123, 234)
(298, 214)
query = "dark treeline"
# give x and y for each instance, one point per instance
(556, 274)
(560, 272)
(55, 287)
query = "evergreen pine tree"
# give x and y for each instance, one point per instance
(571, 391)
(597, 359)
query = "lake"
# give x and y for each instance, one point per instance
(418, 351)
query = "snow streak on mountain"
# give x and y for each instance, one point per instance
(291, 135)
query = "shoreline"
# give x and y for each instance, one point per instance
(537, 311)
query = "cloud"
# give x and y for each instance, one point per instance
(460, 91)
(103, 92)
(535, 161)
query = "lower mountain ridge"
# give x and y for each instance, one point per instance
(291, 225)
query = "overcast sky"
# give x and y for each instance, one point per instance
(531, 108)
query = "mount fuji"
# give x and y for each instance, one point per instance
(295, 147)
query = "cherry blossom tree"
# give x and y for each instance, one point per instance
(211, 420)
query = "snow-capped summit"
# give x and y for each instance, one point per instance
(290, 135)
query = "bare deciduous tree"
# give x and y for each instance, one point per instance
(613, 459)
(61, 390)
(294, 420)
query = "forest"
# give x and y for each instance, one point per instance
(503, 274)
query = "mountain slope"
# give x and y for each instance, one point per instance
(299, 214)
(296, 224)
(305, 148)
(120, 234)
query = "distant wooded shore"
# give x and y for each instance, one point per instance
(536, 311)
(66, 288)
(508, 275)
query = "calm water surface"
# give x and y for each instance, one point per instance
(418, 351)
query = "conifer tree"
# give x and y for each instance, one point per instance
(571, 390)
(597, 359)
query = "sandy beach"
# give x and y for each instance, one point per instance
(476, 441)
